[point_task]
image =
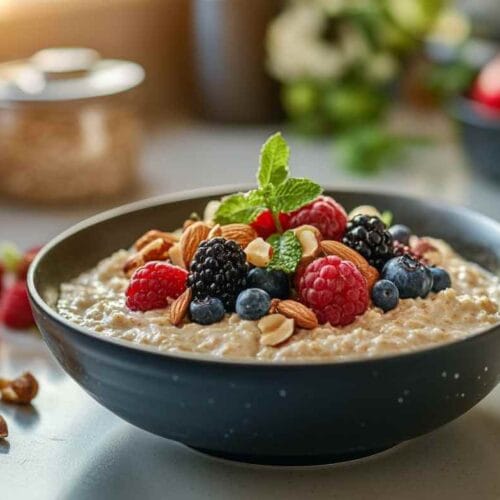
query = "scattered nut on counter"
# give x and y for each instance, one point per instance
(21, 390)
(4, 430)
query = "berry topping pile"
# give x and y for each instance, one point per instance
(282, 255)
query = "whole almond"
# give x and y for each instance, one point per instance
(4, 430)
(302, 315)
(215, 232)
(180, 306)
(331, 247)
(191, 239)
(243, 234)
(152, 235)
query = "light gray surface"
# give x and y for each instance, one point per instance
(67, 447)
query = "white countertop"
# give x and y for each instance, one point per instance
(68, 447)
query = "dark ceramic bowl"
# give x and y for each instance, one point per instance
(480, 135)
(274, 413)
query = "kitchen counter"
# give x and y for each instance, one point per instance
(67, 447)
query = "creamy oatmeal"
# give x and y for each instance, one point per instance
(96, 300)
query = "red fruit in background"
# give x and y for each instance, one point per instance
(2, 272)
(325, 214)
(153, 284)
(486, 89)
(334, 289)
(264, 224)
(26, 261)
(15, 309)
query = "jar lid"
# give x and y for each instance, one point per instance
(63, 74)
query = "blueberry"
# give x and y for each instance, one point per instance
(441, 279)
(410, 276)
(253, 303)
(385, 295)
(400, 233)
(275, 283)
(206, 311)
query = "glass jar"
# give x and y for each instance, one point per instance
(69, 130)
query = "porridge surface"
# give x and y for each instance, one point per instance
(96, 300)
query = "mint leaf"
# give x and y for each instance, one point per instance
(287, 252)
(242, 208)
(294, 193)
(274, 157)
(387, 216)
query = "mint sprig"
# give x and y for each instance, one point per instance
(287, 252)
(276, 192)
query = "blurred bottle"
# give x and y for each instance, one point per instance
(230, 58)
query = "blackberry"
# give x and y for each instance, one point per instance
(367, 235)
(219, 269)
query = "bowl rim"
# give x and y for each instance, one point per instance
(217, 191)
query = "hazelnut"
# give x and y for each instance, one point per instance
(259, 252)
(4, 430)
(21, 390)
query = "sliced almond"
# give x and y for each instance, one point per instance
(180, 306)
(259, 252)
(191, 239)
(243, 234)
(330, 247)
(4, 430)
(175, 256)
(275, 329)
(303, 316)
(215, 232)
(153, 235)
(154, 250)
(309, 238)
(133, 263)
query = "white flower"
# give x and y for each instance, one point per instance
(296, 49)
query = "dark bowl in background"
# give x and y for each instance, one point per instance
(262, 412)
(480, 135)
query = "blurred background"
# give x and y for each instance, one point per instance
(105, 102)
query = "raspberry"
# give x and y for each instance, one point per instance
(15, 309)
(2, 272)
(401, 249)
(334, 289)
(325, 214)
(264, 224)
(27, 259)
(153, 284)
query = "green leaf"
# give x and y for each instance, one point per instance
(387, 217)
(274, 157)
(10, 256)
(242, 208)
(287, 252)
(295, 193)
